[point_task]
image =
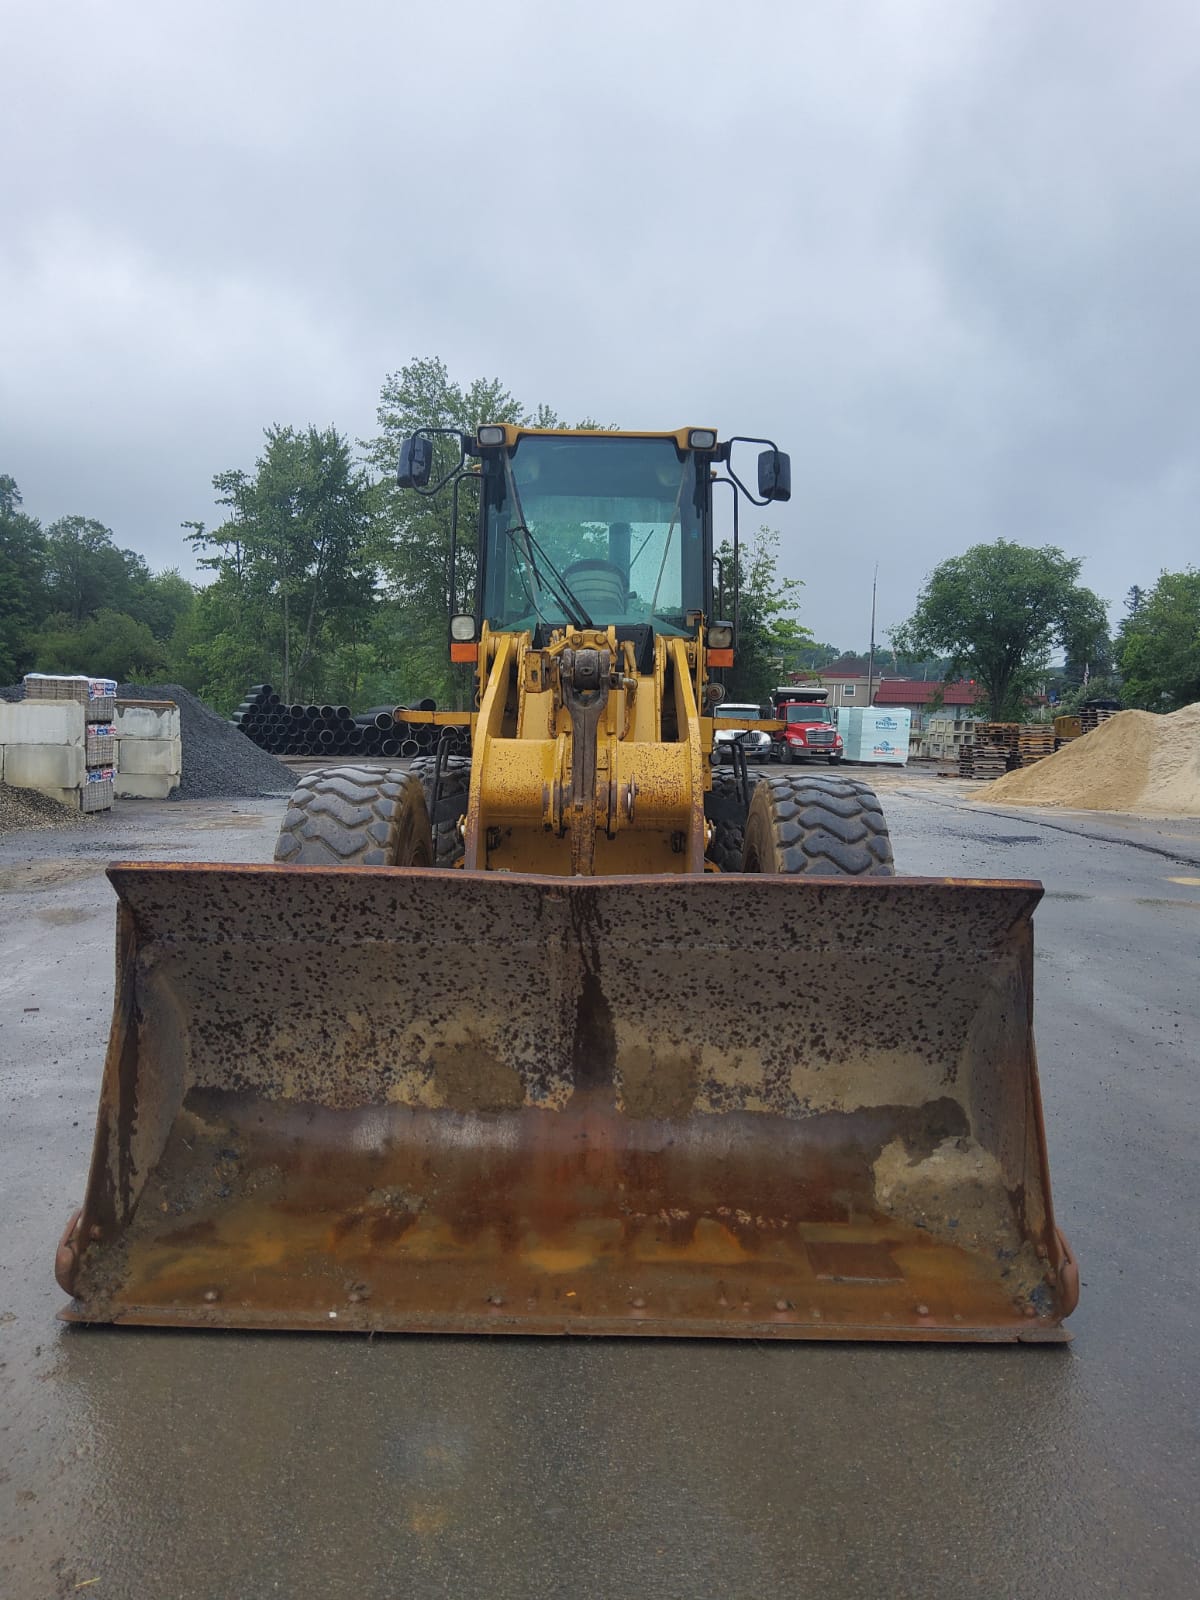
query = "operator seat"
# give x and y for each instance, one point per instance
(599, 586)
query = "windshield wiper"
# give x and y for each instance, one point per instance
(576, 614)
(560, 589)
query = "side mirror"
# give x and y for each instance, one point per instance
(416, 462)
(774, 475)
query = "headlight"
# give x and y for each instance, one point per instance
(720, 635)
(462, 629)
(702, 438)
(490, 437)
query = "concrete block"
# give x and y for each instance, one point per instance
(144, 721)
(160, 757)
(41, 722)
(48, 767)
(144, 785)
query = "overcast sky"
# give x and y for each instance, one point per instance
(946, 253)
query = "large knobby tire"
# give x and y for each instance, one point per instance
(356, 817)
(456, 780)
(820, 826)
(729, 833)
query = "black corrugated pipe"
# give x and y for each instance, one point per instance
(408, 748)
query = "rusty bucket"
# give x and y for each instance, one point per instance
(372, 1099)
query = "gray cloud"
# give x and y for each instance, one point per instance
(944, 253)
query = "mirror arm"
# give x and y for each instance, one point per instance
(727, 447)
(465, 448)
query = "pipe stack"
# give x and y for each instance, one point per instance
(326, 730)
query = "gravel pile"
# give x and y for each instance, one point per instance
(218, 760)
(26, 808)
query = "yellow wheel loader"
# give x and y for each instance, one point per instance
(580, 1035)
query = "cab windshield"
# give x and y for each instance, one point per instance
(599, 529)
(796, 712)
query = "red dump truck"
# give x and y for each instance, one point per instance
(810, 729)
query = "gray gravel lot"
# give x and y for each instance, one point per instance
(194, 1465)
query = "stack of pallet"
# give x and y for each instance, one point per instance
(982, 760)
(992, 752)
(1035, 741)
(1092, 716)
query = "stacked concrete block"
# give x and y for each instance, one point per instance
(149, 749)
(42, 744)
(60, 740)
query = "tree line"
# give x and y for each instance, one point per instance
(323, 578)
(327, 581)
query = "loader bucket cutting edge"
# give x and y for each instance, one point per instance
(412, 1100)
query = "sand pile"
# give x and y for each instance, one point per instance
(1136, 761)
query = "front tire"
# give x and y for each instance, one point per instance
(818, 826)
(729, 833)
(356, 817)
(456, 780)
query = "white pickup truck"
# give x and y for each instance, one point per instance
(755, 741)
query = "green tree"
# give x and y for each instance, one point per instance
(161, 600)
(292, 564)
(1158, 645)
(770, 639)
(815, 656)
(411, 544)
(22, 581)
(110, 645)
(412, 533)
(85, 572)
(1101, 687)
(996, 612)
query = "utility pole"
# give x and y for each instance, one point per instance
(871, 657)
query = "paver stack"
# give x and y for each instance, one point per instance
(59, 739)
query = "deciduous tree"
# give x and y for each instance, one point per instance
(291, 561)
(1158, 645)
(770, 639)
(22, 580)
(996, 612)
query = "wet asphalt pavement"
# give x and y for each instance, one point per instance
(200, 1464)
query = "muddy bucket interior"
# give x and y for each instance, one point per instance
(403, 1100)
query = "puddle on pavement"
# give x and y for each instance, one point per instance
(63, 916)
(35, 875)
